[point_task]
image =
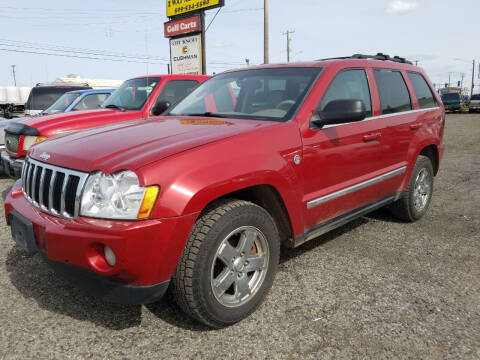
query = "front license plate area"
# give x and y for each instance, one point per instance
(22, 232)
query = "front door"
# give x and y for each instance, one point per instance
(341, 160)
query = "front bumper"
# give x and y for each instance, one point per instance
(452, 107)
(146, 251)
(12, 166)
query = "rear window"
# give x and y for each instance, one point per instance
(476, 97)
(42, 97)
(175, 90)
(393, 92)
(422, 91)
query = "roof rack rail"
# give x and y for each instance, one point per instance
(379, 56)
(63, 83)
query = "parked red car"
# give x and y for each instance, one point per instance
(201, 198)
(137, 98)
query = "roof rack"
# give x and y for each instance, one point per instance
(379, 56)
(62, 83)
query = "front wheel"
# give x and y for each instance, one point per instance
(228, 264)
(416, 198)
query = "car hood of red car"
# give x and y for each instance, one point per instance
(57, 124)
(131, 145)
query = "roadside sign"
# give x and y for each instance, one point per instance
(179, 7)
(186, 55)
(182, 26)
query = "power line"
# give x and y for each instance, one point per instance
(213, 19)
(76, 11)
(81, 57)
(82, 51)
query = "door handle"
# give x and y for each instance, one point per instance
(415, 126)
(371, 137)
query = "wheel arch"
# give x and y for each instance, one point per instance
(431, 151)
(269, 198)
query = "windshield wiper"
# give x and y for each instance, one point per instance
(113, 106)
(206, 114)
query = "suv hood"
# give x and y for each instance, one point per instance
(56, 124)
(131, 145)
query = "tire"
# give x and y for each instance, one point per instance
(416, 198)
(204, 285)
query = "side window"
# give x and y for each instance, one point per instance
(175, 90)
(393, 92)
(91, 101)
(422, 90)
(348, 84)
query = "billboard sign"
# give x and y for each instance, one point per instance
(179, 7)
(182, 26)
(186, 55)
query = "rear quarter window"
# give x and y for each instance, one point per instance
(392, 90)
(422, 91)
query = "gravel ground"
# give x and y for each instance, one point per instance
(375, 288)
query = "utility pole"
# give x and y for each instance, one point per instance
(265, 31)
(461, 82)
(473, 78)
(288, 32)
(449, 78)
(15, 79)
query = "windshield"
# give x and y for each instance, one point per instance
(451, 96)
(62, 103)
(260, 94)
(476, 97)
(133, 94)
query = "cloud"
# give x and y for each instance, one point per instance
(223, 44)
(400, 7)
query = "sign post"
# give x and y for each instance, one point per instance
(186, 30)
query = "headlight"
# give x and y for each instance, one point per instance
(28, 141)
(117, 196)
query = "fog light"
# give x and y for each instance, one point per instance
(109, 256)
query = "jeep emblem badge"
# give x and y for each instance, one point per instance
(45, 156)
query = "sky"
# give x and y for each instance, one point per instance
(439, 34)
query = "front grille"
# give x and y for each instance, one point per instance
(11, 142)
(51, 188)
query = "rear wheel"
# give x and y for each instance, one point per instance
(228, 264)
(415, 200)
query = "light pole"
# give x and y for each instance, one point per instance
(265, 31)
(473, 79)
(14, 77)
(288, 32)
(473, 74)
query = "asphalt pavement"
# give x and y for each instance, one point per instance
(375, 288)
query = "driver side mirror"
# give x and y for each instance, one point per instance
(339, 112)
(160, 107)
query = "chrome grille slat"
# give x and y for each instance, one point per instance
(78, 195)
(62, 197)
(24, 170)
(73, 182)
(29, 180)
(34, 185)
(50, 193)
(41, 187)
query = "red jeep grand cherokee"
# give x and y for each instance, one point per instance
(137, 98)
(201, 199)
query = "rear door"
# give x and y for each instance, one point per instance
(408, 105)
(340, 160)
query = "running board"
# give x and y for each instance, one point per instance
(341, 220)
